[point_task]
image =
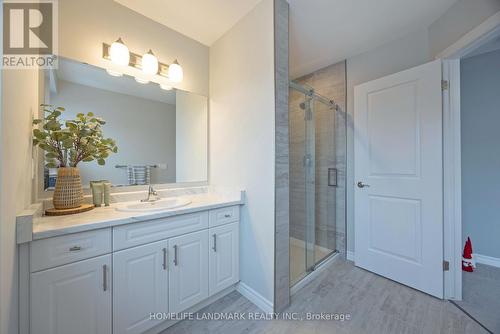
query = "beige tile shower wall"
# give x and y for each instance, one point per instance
(297, 171)
(330, 152)
(282, 169)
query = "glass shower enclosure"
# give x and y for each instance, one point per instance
(316, 178)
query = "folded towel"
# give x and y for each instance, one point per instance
(139, 175)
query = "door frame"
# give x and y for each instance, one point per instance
(452, 183)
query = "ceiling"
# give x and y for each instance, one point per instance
(202, 20)
(322, 32)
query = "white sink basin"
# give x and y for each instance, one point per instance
(162, 204)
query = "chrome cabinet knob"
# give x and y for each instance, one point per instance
(362, 185)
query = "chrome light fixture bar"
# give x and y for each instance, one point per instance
(135, 60)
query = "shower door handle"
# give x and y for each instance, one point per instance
(332, 177)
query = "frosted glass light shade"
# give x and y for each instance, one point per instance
(141, 80)
(165, 87)
(149, 63)
(118, 53)
(175, 73)
(114, 73)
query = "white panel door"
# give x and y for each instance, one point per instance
(224, 257)
(188, 272)
(72, 299)
(140, 287)
(398, 175)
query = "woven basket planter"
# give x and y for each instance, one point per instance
(68, 193)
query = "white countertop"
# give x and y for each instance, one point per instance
(46, 226)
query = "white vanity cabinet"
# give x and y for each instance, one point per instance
(140, 287)
(224, 257)
(73, 298)
(112, 280)
(188, 275)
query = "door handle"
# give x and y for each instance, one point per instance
(164, 258)
(215, 242)
(363, 185)
(176, 262)
(105, 277)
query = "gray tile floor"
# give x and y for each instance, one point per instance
(375, 305)
(481, 296)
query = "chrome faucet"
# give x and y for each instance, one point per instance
(151, 193)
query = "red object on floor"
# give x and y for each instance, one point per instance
(468, 249)
(467, 257)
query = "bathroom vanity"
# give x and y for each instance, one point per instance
(112, 271)
(128, 267)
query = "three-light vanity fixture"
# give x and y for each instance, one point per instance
(149, 66)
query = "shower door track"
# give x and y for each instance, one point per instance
(323, 260)
(311, 93)
(312, 274)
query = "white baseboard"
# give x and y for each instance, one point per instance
(350, 255)
(489, 260)
(255, 297)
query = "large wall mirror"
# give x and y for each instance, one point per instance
(161, 134)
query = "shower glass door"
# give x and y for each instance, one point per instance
(313, 177)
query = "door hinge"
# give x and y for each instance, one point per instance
(446, 266)
(445, 84)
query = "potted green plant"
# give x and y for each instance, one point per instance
(66, 144)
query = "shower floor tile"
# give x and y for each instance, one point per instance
(298, 258)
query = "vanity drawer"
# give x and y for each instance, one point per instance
(224, 215)
(159, 229)
(56, 251)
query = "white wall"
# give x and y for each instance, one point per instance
(20, 100)
(144, 131)
(241, 134)
(85, 25)
(410, 51)
(191, 137)
(480, 116)
(462, 17)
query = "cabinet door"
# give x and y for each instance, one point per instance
(224, 257)
(72, 299)
(188, 274)
(140, 287)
